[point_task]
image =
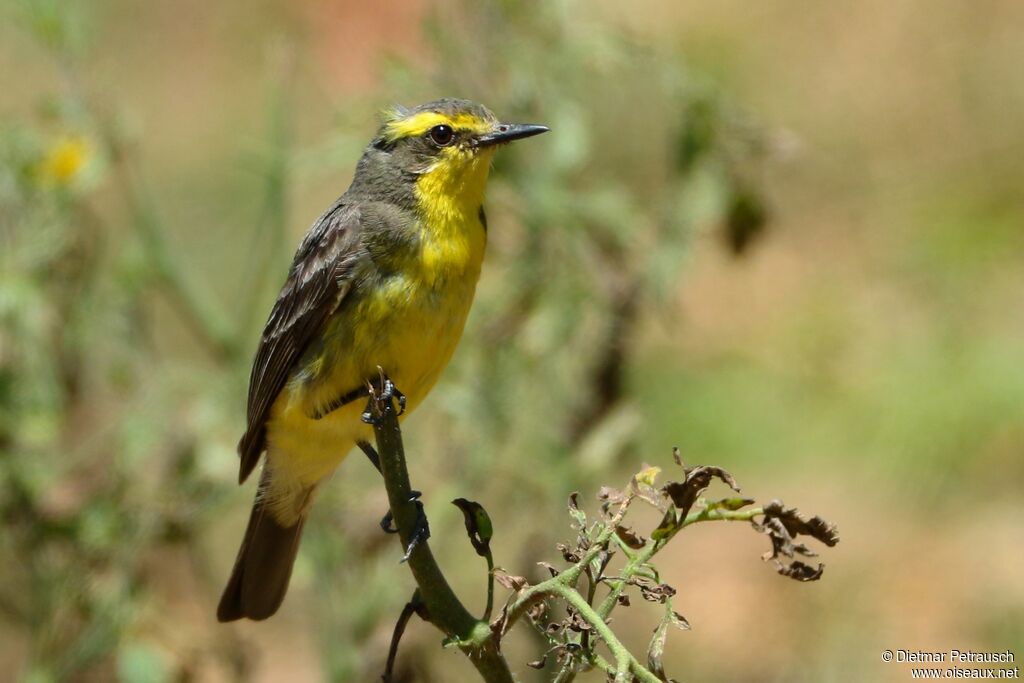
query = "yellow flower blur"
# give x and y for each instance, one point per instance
(64, 160)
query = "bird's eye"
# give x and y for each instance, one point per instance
(442, 135)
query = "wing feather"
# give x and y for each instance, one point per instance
(319, 279)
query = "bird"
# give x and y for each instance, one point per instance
(382, 283)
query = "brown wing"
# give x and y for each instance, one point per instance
(320, 277)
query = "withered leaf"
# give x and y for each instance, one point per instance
(656, 649)
(798, 524)
(568, 554)
(623, 600)
(600, 563)
(782, 542)
(574, 510)
(801, 549)
(538, 664)
(550, 567)
(610, 494)
(782, 525)
(574, 622)
(652, 591)
(679, 621)
(800, 572)
(537, 611)
(500, 623)
(668, 524)
(510, 581)
(685, 493)
(630, 537)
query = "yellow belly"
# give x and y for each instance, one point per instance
(409, 325)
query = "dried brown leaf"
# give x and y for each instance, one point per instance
(782, 525)
(653, 591)
(799, 571)
(685, 493)
(550, 567)
(510, 581)
(668, 524)
(568, 554)
(797, 523)
(600, 563)
(609, 494)
(656, 649)
(537, 611)
(630, 537)
(538, 664)
(575, 511)
(679, 621)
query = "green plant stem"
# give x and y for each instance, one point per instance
(625, 663)
(567, 580)
(721, 515)
(569, 576)
(444, 608)
(490, 587)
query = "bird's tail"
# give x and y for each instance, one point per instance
(264, 564)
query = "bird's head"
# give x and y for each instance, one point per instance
(439, 148)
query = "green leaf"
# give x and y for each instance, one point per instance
(478, 525)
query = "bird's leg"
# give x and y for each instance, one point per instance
(371, 454)
(421, 529)
(414, 606)
(387, 521)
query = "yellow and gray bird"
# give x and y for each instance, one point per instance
(383, 279)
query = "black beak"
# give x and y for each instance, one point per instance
(507, 132)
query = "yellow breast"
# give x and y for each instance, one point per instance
(452, 238)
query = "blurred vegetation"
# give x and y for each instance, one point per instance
(156, 171)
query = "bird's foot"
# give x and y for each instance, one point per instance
(384, 390)
(420, 531)
(381, 389)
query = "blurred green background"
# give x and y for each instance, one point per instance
(787, 238)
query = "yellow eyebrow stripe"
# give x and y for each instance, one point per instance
(419, 124)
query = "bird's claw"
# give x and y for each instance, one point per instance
(387, 523)
(420, 531)
(387, 391)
